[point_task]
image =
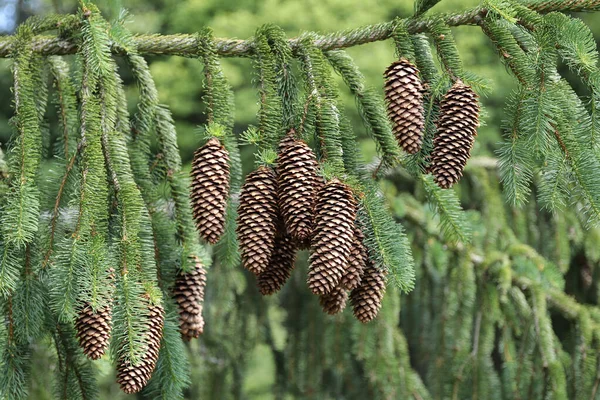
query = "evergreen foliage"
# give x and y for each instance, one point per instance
(111, 227)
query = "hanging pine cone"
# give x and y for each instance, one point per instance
(456, 131)
(334, 301)
(356, 262)
(333, 235)
(272, 279)
(366, 299)
(210, 189)
(132, 378)
(257, 219)
(404, 98)
(189, 295)
(296, 176)
(93, 330)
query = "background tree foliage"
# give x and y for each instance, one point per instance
(253, 347)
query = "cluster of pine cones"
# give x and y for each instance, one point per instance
(457, 122)
(284, 210)
(93, 328)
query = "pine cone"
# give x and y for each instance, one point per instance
(366, 299)
(333, 235)
(297, 175)
(93, 330)
(334, 301)
(132, 378)
(404, 98)
(280, 266)
(257, 219)
(210, 189)
(189, 295)
(456, 131)
(356, 262)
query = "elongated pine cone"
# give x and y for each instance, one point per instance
(366, 299)
(333, 237)
(404, 98)
(189, 295)
(257, 219)
(296, 175)
(334, 301)
(93, 330)
(456, 131)
(356, 262)
(210, 189)
(272, 279)
(133, 378)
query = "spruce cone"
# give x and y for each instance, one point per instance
(333, 234)
(280, 266)
(93, 330)
(334, 301)
(189, 295)
(132, 378)
(456, 131)
(257, 219)
(404, 98)
(297, 175)
(210, 189)
(366, 299)
(356, 262)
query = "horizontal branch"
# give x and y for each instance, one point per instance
(187, 45)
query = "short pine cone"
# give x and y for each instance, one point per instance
(333, 236)
(356, 262)
(132, 378)
(210, 189)
(93, 330)
(404, 98)
(189, 296)
(257, 219)
(366, 299)
(296, 177)
(334, 301)
(456, 131)
(280, 266)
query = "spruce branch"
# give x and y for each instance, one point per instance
(370, 106)
(187, 45)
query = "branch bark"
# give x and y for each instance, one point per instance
(187, 45)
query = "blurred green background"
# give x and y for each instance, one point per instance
(179, 80)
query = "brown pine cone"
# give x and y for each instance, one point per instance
(133, 378)
(210, 189)
(189, 296)
(257, 219)
(456, 130)
(272, 279)
(334, 301)
(296, 175)
(356, 262)
(93, 330)
(404, 98)
(366, 299)
(333, 236)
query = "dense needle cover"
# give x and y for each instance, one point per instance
(107, 255)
